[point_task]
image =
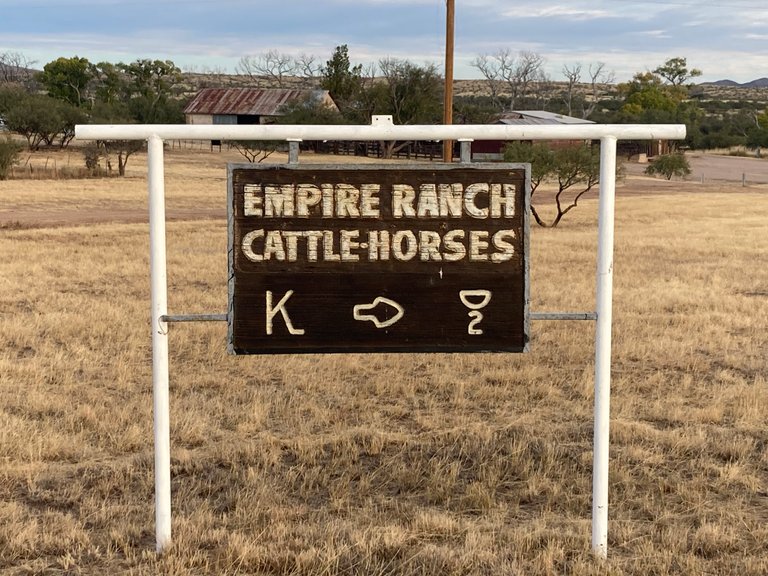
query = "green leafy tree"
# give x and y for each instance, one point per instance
(111, 84)
(43, 120)
(310, 110)
(150, 87)
(411, 94)
(757, 139)
(9, 97)
(662, 97)
(68, 79)
(9, 154)
(575, 169)
(676, 72)
(344, 82)
(669, 165)
(121, 150)
(648, 99)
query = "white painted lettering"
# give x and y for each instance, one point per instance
(347, 201)
(369, 200)
(478, 241)
(450, 196)
(428, 206)
(455, 249)
(470, 203)
(429, 246)
(273, 245)
(252, 205)
(403, 198)
(328, 254)
(404, 245)
(503, 242)
(247, 245)
(307, 196)
(313, 238)
(348, 243)
(502, 200)
(378, 245)
(278, 200)
(272, 311)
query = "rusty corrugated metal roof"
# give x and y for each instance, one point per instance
(246, 101)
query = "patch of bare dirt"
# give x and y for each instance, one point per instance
(710, 173)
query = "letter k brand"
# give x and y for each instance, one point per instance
(280, 307)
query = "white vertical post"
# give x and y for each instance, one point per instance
(159, 290)
(603, 346)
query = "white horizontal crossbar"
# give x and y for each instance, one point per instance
(380, 131)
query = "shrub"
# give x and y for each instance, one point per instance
(669, 165)
(9, 153)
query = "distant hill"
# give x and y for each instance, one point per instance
(759, 83)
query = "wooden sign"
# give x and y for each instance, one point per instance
(393, 258)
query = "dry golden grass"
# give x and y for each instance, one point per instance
(382, 464)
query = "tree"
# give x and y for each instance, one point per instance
(597, 76)
(150, 90)
(122, 150)
(67, 79)
(256, 151)
(411, 94)
(110, 82)
(15, 68)
(309, 110)
(575, 168)
(515, 74)
(9, 154)
(675, 71)
(344, 82)
(669, 165)
(42, 120)
(277, 67)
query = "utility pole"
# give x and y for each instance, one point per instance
(448, 99)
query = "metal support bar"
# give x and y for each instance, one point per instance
(466, 150)
(605, 237)
(194, 318)
(563, 316)
(381, 128)
(293, 150)
(160, 378)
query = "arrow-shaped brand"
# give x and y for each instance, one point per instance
(357, 312)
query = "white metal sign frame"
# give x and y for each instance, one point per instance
(382, 129)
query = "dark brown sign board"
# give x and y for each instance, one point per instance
(378, 258)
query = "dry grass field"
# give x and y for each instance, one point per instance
(381, 464)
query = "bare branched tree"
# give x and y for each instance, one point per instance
(590, 97)
(572, 78)
(515, 74)
(487, 67)
(15, 67)
(273, 65)
(307, 67)
(597, 75)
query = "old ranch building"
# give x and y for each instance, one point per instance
(248, 105)
(484, 150)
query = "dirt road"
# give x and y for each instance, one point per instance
(196, 189)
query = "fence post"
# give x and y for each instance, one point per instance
(160, 378)
(293, 150)
(605, 236)
(465, 150)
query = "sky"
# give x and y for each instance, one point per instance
(726, 39)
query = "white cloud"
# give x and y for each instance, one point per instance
(556, 11)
